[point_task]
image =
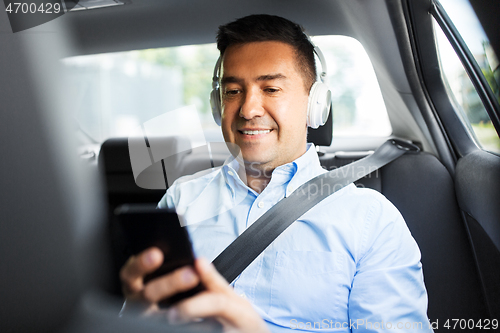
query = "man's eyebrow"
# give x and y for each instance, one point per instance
(230, 79)
(267, 77)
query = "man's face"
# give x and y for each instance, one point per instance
(264, 103)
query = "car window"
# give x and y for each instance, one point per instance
(458, 84)
(117, 93)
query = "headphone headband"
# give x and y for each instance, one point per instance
(322, 76)
(215, 78)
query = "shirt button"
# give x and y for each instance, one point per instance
(290, 188)
(230, 173)
(261, 204)
(243, 296)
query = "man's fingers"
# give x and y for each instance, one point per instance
(134, 270)
(234, 313)
(218, 301)
(165, 286)
(210, 277)
(203, 305)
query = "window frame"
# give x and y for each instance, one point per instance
(469, 63)
(445, 124)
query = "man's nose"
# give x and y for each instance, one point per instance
(252, 105)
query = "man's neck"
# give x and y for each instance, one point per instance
(257, 175)
(258, 184)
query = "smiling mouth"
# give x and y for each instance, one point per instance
(255, 132)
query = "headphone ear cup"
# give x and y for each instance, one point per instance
(318, 106)
(216, 106)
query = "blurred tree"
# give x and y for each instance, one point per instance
(197, 63)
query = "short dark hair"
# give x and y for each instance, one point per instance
(261, 28)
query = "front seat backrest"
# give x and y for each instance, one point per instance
(38, 277)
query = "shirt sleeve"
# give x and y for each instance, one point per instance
(167, 201)
(388, 291)
(163, 202)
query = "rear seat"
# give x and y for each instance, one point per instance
(417, 184)
(423, 191)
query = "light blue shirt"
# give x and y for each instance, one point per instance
(348, 264)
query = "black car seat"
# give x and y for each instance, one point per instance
(423, 191)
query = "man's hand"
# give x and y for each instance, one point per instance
(218, 301)
(137, 267)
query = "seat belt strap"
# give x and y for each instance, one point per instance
(256, 238)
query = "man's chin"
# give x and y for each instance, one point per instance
(254, 163)
(256, 159)
(249, 157)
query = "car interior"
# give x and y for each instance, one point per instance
(61, 249)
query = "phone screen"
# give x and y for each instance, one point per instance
(144, 227)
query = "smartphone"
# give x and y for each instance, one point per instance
(143, 227)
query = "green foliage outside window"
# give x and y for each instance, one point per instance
(196, 63)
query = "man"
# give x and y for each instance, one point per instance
(349, 263)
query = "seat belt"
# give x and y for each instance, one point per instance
(256, 238)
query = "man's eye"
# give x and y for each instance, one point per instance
(272, 90)
(231, 92)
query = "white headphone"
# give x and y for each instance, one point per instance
(318, 105)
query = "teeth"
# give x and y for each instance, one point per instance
(256, 132)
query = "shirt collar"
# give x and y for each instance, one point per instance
(297, 172)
